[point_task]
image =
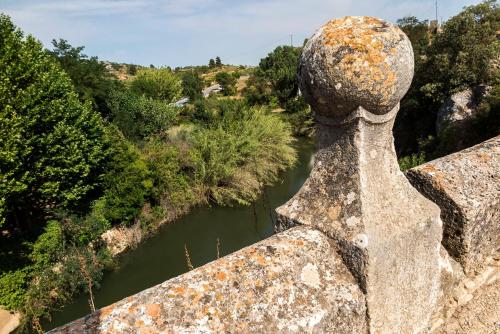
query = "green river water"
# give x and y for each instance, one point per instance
(162, 256)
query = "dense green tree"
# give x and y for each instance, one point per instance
(463, 55)
(418, 33)
(228, 83)
(192, 85)
(127, 183)
(132, 69)
(160, 84)
(211, 63)
(91, 79)
(278, 70)
(138, 116)
(218, 62)
(52, 147)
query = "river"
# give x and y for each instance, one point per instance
(162, 256)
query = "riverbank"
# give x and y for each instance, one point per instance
(162, 255)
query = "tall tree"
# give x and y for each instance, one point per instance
(228, 83)
(52, 145)
(192, 85)
(90, 77)
(418, 33)
(278, 71)
(218, 62)
(211, 63)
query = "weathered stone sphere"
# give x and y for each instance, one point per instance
(356, 61)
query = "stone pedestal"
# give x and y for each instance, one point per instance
(388, 234)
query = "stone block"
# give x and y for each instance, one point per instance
(293, 282)
(466, 186)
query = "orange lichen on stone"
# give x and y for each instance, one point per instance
(261, 260)
(221, 276)
(366, 64)
(153, 310)
(180, 290)
(106, 310)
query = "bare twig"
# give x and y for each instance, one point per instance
(88, 278)
(218, 248)
(188, 258)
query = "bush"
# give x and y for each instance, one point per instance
(228, 83)
(127, 183)
(411, 161)
(242, 151)
(139, 117)
(192, 85)
(13, 286)
(161, 84)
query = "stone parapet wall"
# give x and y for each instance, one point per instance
(293, 282)
(359, 249)
(466, 186)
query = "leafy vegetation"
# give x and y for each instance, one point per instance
(89, 76)
(227, 82)
(84, 152)
(464, 54)
(53, 147)
(160, 84)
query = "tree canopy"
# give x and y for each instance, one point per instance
(276, 76)
(91, 79)
(52, 147)
(160, 84)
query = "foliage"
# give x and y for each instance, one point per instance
(53, 146)
(218, 62)
(228, 83)
(90, 78)
(13, 286)
(161, 84)
(463, 55)
(418, 33)
(132, 69)
(127, 183)
(192, 85)
(411, 161)
(139, 117)
(279, 71)
(301, 122)
(211, 63)
(241, 151)
(258, 90)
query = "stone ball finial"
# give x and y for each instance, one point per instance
(356, 61)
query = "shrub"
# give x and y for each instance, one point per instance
(240, 152)
(139, 117)
(127, 183)
(161, 84)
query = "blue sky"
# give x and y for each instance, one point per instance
(190, 32)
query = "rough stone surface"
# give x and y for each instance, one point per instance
(356, 61)
(353, 72)
(480, 316)
(462, 289)
(9, 321)
(293, 282)
(466, 185)
(460, 107)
